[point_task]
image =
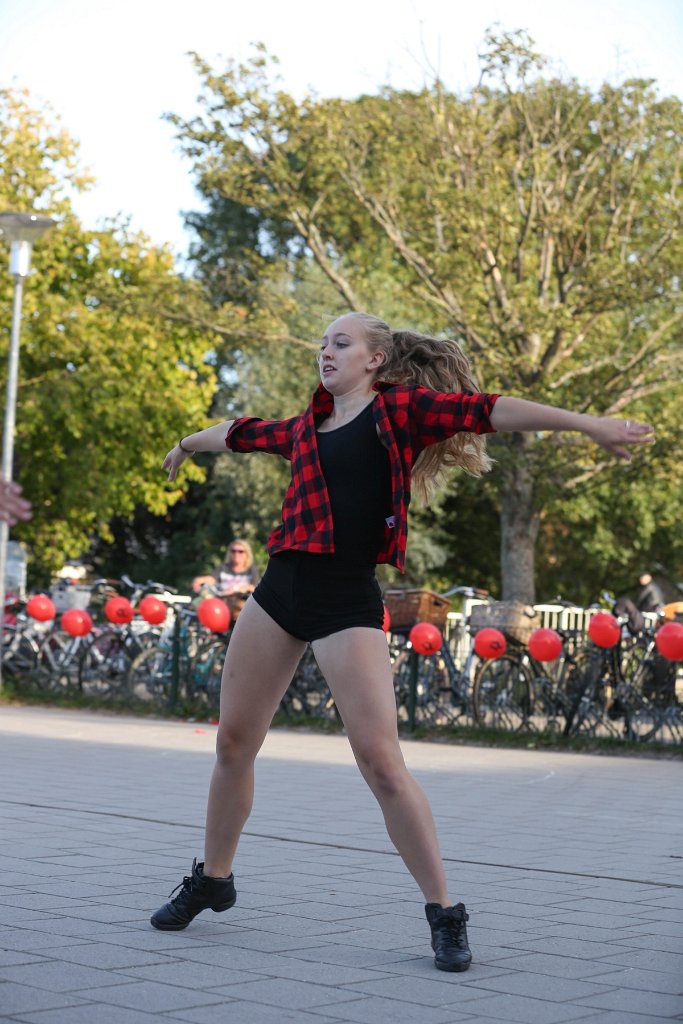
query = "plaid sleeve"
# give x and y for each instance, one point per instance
(250, 434)
(436, 416)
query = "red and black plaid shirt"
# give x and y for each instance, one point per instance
(409, 418)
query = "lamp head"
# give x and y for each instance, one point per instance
(22, 230)
(24, 227)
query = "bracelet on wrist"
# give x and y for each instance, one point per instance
(188, 451)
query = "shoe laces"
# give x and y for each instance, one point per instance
(188, 883)
(185, 885)
(450, 924)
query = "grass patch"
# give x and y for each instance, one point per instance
(24, 692)
(480, 736)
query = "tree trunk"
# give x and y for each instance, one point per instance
(519, 523)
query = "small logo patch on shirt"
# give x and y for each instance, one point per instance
(391, 522)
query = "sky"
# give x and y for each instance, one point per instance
(110, 70)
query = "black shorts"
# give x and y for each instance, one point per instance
(312, 596)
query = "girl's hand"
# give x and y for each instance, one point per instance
(614, 435)
(13, 508)
(174, 461)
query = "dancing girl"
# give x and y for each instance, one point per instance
(392, 410)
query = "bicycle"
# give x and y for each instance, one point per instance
(20, 642)
(432, 687)
(105, 660)
(517, 692)
(159, 672)
(636, 688)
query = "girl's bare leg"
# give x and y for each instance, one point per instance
(356, 665)
(260, 662)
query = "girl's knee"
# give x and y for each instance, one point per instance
(233, 747)
(384, 770)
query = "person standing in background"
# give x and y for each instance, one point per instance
(650, 597)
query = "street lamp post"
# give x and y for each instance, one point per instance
(21, 230)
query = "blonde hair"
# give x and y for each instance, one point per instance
(438, 364)
(247, 547)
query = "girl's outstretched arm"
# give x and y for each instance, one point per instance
(210, 440)
(610, 433)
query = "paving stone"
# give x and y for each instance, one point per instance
(324, 973)
(651, 959)
(238, 1012)
(542, 986)
(16, 999)
(583, 949)
(374, 1010)
(434, 989)
(192, 974)
(105, 956)
(548, 963)
(295, 995)
(90, 1013)
(149, 996)
(630, 1001)
(59, 977)
(10, 957)
(518, 1008)
(612, 1017)
(24, 939)
(663, 943)
(647, 981)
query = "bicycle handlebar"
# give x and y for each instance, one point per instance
(466, 592)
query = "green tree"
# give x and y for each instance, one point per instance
(107, 381)
(535, 220)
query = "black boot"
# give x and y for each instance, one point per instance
(197, 892)
(449, 936)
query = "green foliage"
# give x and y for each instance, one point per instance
(533, 219)
(107, 380)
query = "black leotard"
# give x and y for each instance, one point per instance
(355, 465)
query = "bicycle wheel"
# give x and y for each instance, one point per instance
(308, 693)
(104, 665)
(434, 692)
(150, 675)
(591, 712)
(56, 664)
(206, 671)
(644, 708)
(502, 695)
(551, 704)
(19, 652)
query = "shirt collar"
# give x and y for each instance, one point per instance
(322, 402)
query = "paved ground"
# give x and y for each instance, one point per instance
(569, 864)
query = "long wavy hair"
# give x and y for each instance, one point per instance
(438, 364)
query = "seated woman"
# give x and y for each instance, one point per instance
(236, 576)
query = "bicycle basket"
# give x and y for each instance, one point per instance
(408, 607)
(66, 596)
(513, 618)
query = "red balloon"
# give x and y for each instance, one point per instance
(41, 608)
(76, 622)
(119, 609)
(490, 643)
(152, 610)
(669, 640)
(214, 614)
(386, 622)
(425, 638)
(545, 645)
(604, 630)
